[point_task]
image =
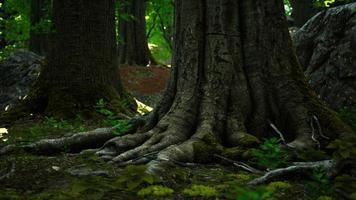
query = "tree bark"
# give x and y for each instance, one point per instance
(82, 66)
(234, 72)
(39, 41)
(133, 45)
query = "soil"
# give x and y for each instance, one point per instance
(145, 83)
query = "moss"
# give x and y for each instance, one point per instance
(248, 140)
(233, 153)
(205, 148)
(278, 186)
(324, 198)
(201, 191)
(156, 192)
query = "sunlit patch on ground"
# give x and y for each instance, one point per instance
(142, 108)
(3, 132)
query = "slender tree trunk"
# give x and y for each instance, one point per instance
(82, 66)
(303, 10)
(39, 41)
(133, 46)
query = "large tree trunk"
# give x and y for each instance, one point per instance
(133, 46)
(39, 41)
(82, 65)
(234, 71)
(303, 10)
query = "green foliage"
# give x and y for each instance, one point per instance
(270, 155)
(17, 25)
(348, 115)
(201, 191)
(155, 191)
(319, 184)
(111, 119)
(159, 27)
(50, 123)
(15, 20)
(273, 190)
(344, 148)
(259, 193)
(134, 176)
(287, 7)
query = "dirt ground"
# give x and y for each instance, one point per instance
(145, 83)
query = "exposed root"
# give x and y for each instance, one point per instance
(297, 167)
(74, 143)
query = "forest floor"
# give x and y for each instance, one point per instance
(145, 83)
(85, 176)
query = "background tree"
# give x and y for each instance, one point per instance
(234, 72)
(40, 26)
(82, 66)
(133, 46)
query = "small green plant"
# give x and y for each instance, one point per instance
(201, 191)
(134, 176)
(155, 191)
(319, 184)
(270, 155)
(57, 123)
(259, 193)
(344, 148)
(121, 126)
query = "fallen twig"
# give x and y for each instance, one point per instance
(278, 132)
(328, 165)
(240, 165)
(313, 134)
(319, 128)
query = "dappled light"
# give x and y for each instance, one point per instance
(3, 132)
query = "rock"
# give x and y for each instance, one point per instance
(326, 48)
(17, 74)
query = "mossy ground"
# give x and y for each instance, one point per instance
(42, 177)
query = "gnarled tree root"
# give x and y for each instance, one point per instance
(74, 143)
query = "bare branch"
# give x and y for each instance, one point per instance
(240, 165)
